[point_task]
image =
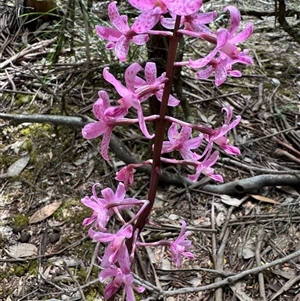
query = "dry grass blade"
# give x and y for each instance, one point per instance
(264, 199)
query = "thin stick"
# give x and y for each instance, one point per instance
(261, 282)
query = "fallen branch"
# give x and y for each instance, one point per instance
(250, 185)
(232, 279)
(243, 186)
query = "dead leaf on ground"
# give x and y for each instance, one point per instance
(17, 167)
(22, 250)
(246, 250)
(44, 212)
(228, 200)
(288, 189)
(239, 290)
(264, 199)
(287, 273)
(220, 219)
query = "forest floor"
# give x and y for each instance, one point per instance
(245, 234)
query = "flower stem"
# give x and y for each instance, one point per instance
(160, 129)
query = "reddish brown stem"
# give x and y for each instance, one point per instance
(160, 128)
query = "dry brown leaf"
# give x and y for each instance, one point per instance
(264, 199)
(289, 189)
(22, 250)
(220, 219)
(239, 290)
(17, 167)
(228, 200)
(44, 212)
(247, 249)
(287, 273)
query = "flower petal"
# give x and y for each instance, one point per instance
(168, 23)
(123, 91)
(100, 236)
(146, 20)
(235, 19)
(130, 75)
(173, 132)
(105, 143)
(122, 48)
(107, 33)
(150, 73)
(120, 23)
(136, 104)
(222, 38)
(94, 129)
(205, 73)
(183, 7)
(243, 35)
(120, 193)
(220, 75)
(140, 39)
(142, 4)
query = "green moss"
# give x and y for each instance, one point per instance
(94, 291)
(22, 99)
(3, 240)
(87, 248)
(20, 220)
(31, 268)
(6, 161)
(72, 211)
(20, 270)
(37, 130)
(92, 294)
(27, 145)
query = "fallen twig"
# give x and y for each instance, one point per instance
(248, 185)
(28, 49)
(286, 287)
(253, 184)
(230, 280)
(261, 282)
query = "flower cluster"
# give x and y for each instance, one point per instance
(178, 17)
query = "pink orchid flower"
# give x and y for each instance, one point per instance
(182, 142)
(219, 137)
(153, 9)
(116, 240)
(119, 37)
(126, 174)
(226, 41)
(138, 90)
(181, 245)
(222, 67)
(105, 207)
(108, 117)
(129, 97)
(121, 275)
(153, 85)
(194, 22)
(205, 168)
